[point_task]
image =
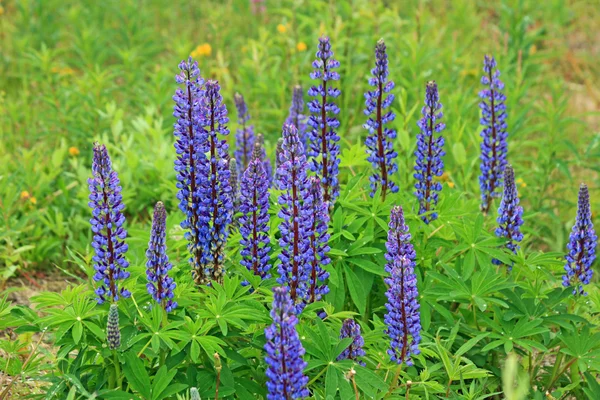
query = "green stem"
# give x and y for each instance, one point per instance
(144, 348)
(313, 380)
(117, 369)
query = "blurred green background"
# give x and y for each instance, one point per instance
(73, 72)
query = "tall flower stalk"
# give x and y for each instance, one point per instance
(510, 214)
(324, 148)
(278, 161)
(403, 317)
(379, 140)
(429, 153)
(216, 207)
(244, 136)
(260, 152)
(494, 135)
(351, 329)
(296, 206)
(285, 366)
(160, 285)
(113, 331)
(107, 224)
(581, 247)
(296, 115)
(319, 243)
(190, 146)
(234, 182)
(254, 221)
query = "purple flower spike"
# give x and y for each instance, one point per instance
(324, 149)
(285, 371)
(379, 140)
(254, 221)
(296, 208)
(429, 153)
(190, 146)
(319, 243)
(510, 214)
(244, 137)
(160, 285)
(403, 318)
(296, 116)
(581, 246)
(493, 146)
(107, 223)
(260, 152)
(278, 161)
(351, 329)
(217, 205)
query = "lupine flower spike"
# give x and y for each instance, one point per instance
(296, 116)
(278, 160)
(260, 152)
(254, 221)
(296, 206)
(403, 318)
(351, 329)
(510, 214)
(160, 285)
(113, 332)
(581, 247)
(493, 145)
(379, 140)
(285, 366)
(107, 223)
(190, 146)
(234, 182)
(194, 394)
(429, 153)
(216, 207)
(244, 137)
(324, 148)
(319, 243)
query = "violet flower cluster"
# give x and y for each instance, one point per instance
(296, 115)
(107, 223)
(190, 146)
(160, 285)
(296, 209)
(429, 153)
(493, 146)
(254, 220)
(582, 246)
(216, 201)
(510, 214)
(285, 366)
(113, 332)
(351, 329)
(379, 141)
(403, 317)
(324, 149)
(319, 243)
(244, 136)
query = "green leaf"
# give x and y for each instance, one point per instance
(136, 375)
(161, 381)
(356, 290)
(331, 382)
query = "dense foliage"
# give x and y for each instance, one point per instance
(365, 246)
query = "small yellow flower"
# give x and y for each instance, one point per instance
(445, 177)
(301, 46)
(62, 71)
(74, 151)
(521, 182)
(24, 195)
(1, 10)
(450, 184)
(281, 28)
(202, 50)
(532, 49)
(33, 200)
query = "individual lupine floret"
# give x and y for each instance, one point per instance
(351, 329)
(319, 243)
(113, 332)
(254, 220)
(510, 214)
(582, 246)
(216, 202)
(403, 317)
(494, 135)
(160, 285)
(244, 136)
(190, 145)
(296, 207)
(324, 149)
(107, 223)
(429, 153)
(285, 365)
(296, 116)
(260, 152)
(380, 139)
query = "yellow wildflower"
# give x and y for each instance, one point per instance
(202, 50)
(533, 49)
(521, 182)
(301, 46)
(281, 28)
(1, 10)
(74, 151)
(24, 195)
(450, 184)
(62, 71)
(33, 200)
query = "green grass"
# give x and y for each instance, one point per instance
(71, 74)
